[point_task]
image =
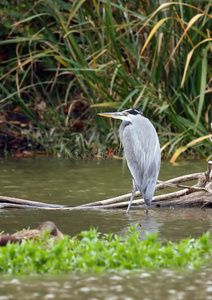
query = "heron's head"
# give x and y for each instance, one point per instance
(125, 115)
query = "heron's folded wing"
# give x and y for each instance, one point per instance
(142, 153)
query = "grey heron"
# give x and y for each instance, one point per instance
(142, 151)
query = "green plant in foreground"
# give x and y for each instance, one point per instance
(88, 252)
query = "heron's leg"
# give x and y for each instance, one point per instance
(147, 209)
(132, 196)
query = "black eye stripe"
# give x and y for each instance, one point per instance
(134, 111)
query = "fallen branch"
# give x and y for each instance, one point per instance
(10, 202)
(200, 193)
(140, 201)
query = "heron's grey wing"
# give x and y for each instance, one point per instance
(142, 151)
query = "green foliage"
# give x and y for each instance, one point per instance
(81, 55)
(90, 252)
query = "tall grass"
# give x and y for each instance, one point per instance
(66, 61)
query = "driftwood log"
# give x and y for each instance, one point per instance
(199, 195)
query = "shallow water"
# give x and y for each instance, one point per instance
(78, 182)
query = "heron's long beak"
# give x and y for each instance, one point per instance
(114, 115)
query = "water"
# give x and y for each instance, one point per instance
(78, 182)
(168, 285)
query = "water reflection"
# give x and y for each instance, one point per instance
(170, 224)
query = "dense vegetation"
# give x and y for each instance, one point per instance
(63, 61)
(88, 252)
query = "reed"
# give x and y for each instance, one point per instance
(66, 61)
